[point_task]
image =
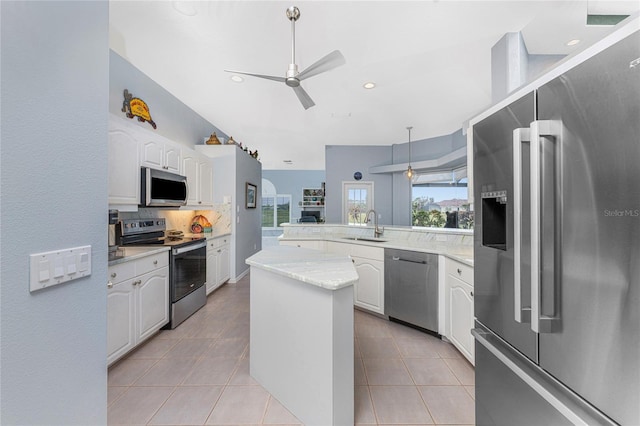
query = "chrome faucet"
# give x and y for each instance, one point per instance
(377, 232)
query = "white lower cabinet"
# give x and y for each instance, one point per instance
(312, 244)
(368, 292)
(459, 307)
(137, 303)
(218, 262)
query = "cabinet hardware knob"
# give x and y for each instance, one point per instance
(459, 271)
(471, 294)
(113, 275)
(137, 282)
(353, 261)
(109, 284)
(155, 262)
(199, 202)
(219, 250)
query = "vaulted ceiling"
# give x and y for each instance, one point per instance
(430, 60)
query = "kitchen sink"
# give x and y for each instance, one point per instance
(369, 240)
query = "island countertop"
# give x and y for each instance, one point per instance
(327, 270)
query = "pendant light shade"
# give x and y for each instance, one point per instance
(410, 174)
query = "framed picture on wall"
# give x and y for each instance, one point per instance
(251, 195)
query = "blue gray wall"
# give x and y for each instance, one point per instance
(248, 232)
(392, 195)
(292, 182)
(174, 119)
(55, 87)
(341, 162)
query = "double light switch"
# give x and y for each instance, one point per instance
(59, 266)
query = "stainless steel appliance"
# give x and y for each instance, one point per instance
(162, 189)
(411, 288)
(187, 264)
(557, 249)
(113, 223)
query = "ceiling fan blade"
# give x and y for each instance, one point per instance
(304, 97)
(268, 77)
(328, 62)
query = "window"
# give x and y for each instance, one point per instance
(276, 210)
(441, 201)
(357, 200)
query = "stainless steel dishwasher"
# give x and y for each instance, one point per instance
(411, 288)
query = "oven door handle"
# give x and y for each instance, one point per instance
(190, 247)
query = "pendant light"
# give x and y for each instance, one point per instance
(410, 173)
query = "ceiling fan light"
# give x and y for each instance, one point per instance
(369, 85)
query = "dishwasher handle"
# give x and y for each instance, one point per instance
(398, 258)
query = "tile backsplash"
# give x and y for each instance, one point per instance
(219, 216)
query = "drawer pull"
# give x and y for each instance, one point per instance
(155, 262)
(471, 294)
(459, 271)
(113, 275)
(109, 284)
(136, 282)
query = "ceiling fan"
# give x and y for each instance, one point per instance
(293, 77)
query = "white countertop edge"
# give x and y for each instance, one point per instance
(387, 244)
(318, 268)
(138, 252)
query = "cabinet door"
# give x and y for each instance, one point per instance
(212, 266)
(151, 153)
(153, 302)
(124, 169)
(224, 265)
(369, 290)
(120, 320)
(205, 183)
(190, 170)
(461, 316)
(171, 158)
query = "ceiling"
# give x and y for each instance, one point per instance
(430, 61)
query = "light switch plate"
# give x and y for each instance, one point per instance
(58, 266)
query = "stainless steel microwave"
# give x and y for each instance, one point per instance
(162, 189)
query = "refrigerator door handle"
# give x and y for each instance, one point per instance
(540, 129)
(521, 314)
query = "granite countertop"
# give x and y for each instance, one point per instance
(136, 252)
(327, 270)
(463, 254)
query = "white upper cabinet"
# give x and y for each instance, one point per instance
(159, 153)
(123, 165)
(199, 172)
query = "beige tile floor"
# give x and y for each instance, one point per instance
(198, 374)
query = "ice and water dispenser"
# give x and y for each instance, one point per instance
(494, 219)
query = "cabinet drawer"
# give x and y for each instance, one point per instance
(218, 242)
(121, 272)
(460, 271)
(367, 252)
(151, 263)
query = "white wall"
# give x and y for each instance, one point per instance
(53, 170)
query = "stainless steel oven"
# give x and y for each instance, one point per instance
(188, 274)
(187, 264)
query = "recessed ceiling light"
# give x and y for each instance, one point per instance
(237, 79)
(573, 42)
(369, 85)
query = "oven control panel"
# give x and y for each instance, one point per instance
(138, 226)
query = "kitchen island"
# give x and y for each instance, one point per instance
(301, 341)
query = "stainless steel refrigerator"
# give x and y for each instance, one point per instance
(557, 249)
